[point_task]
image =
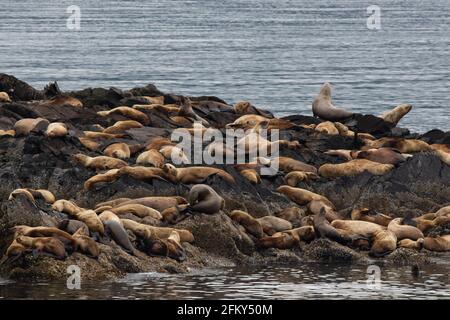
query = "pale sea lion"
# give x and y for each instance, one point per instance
(294, 177)
(315, 206)
(66, 206)
(291, 214)
(4, 97)
(401, 144)
(174, 153)
(364, 215)
(138, 210)
(362, 228)
(151, 157)
(404, 231)
(302, 196)
(394, 115)
(272, 224)
(203, 198)
(143, 173)
(353, 168)
(411, 244)
(23, 127)
(21, 191)
(128, 113)
(158, 203)
(327, 127)
(251, 175)
(56, 129)
(10, 133)
(194, 175)
(121, 126)
(99, 162)
(323, 107)
(157, 232)
(384, 242)
(118, 150)
(90, 218)
(108, 176)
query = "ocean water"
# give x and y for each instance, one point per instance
(275, 53)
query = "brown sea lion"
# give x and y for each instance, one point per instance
(159, 142)
(135, 209)
(90, 218)
(62, 100)
(288, 239)
(121, 126)
(364, 215)
(195, 175)
(56, 129)
(394, 115)
(411, 244)
(98, 163)
(291, 214)
(383, 243)
(404, 231)
(108, 176)
(14, 250)
(316, 206)
(128, 113)
(324, 229)
(43, 232)
(287, 165)
(85, 244)
(72, 226)
(401, 144)
(302, 196)
(48, 245)
(250, 224)
(323, 107)
(202, 198)
(187, 111)
(272, 224)
(151, 157)
(251, 175)
(353, 168)
(117, 150)
(89, 143)
(440, 244)
(382, 155)
(294, 177)
(102, 136)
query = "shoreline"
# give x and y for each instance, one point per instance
(419, 185)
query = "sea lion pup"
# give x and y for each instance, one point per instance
(404, 231)
(24, 192)
(294, 177)
(4, 97)
(102, 135)
(66, 206)
(202, 198)
(56, 129)
(323, 107)
(383, 243)
(137, 210)
(353, 168)
(410, 244)
(401, 144)
(89, 143)
(327, 127)
(143, 173)
(272, 224)
(10, 133)
(174, 153)
(156, 232)
(151, 157)
(324, 229)
(361, 228)
(288, 239)
(441, 243)
(195, 175)
(382, 155)
(444, 156)
(108, 176)
(121, 126)
(90, 218)
(44, 245)
(118, 150)
(250, 224)
(159, 203)
(315, 206)
(187, 111)
(393, 116)
(291, 214)
(251, 175)
(85, 244)
(302, 196)
(72, 226)
(342, 153)
(23, 127)
(364, 215)
(99, 162)
(128, 113)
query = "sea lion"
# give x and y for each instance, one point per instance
(327, 127)
(315, 206)
(56, 129)
(288, 239)
(187, 111)
(247, 121)
(441, 147)
(302, 196)
(202, 198)
(48, 245)
(382, 155)
(342, 153)
(62, 100)
(86, 245)
(121, 126)
(364, 215)
(33, 194)
(251, 175)
(404, 231)
(361, 228)
(90, 218)
(43, 232)
(158, 143)
(72, 226)
(307, 221)
(14, 251)
(324, 229)
(195, 175)
(21, 191)
(115, 229)
(291, 214)
(99, 162)
(393, 116)
(66, 206)
(128, 113)
(287, 165)
(272, 224)
(4, 97)
(23, 127)
(118, 150)
(401, 144)
(108, 176)
(157, 203)
(112, 203)
(442, 211)
(143, 173)
(10, 133)
(89, 143)
(441, 243)
(151, 232)
(384, 242)
(244, 107)
(411, 244)
(175, 214)
(108, 215)
(444, 156)
(174, 154)
(323, 107)
(353, 168)
(151, 157)
(135, 209)
(102, 135)
(294, 177)
(250, 224)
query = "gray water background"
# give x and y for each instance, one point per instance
(275, 53)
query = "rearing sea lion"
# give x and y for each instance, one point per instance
(323, 108)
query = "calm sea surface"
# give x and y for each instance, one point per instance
(275, 53)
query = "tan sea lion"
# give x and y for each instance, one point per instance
(288, 239)
(151, 157)
(121, 126)
(89, 143)
(302, 196)
(251, 175)
(156, 232)
(327, 127)
(342, 153)
(287, 165)
(294, 177)
(4, 97)
(118, 150)
(411, 244)
(353, 168)
(66, 206)
(21, 191)
(174, 153)
(394, 115)
(90, 218)
(203, 198)
(383, 243)
(195, 175)
(404, 231)
(49, 245)
(401, 144)
(315, 206)
(108, 176)
(85, 244)
(291, 214)
(159, 142)
(272, 224)
(158, 202)
(362, 228)
(323, 107)
(138, 210)
(323, 228)
(143, 173)
(128, 113)
(382, 155)
(247, 121)
(444, 156)
(43, 232)
(10, 133)
(63, 101)
(99, 162)
(440, 244)
(244, 107)
(14, 250)
(23, 127)
(56, 129)
(441, 147)
(364, 215)
(101, 135)
(112, 203)
(250, 224)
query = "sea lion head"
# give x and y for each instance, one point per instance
(325, 90)
(242, 107)
(170, 169)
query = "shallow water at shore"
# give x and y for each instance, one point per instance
(274, 53)
(306, 281)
